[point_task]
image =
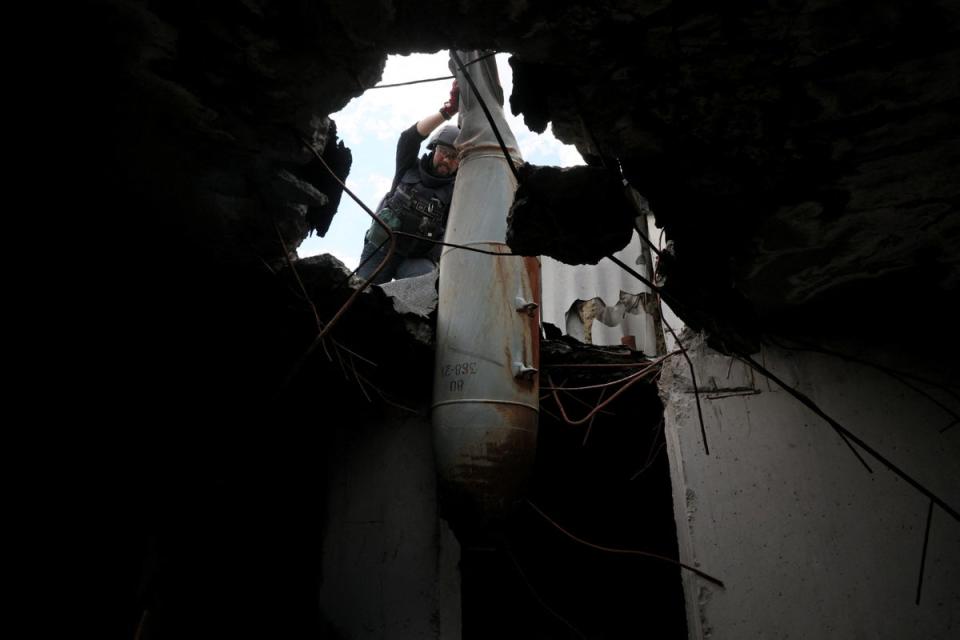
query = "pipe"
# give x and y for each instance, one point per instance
(486, 384)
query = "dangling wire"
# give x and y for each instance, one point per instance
(620, 263)
(623, 179)
(634, 552)
(318, 340)
(536, 595)
(437, 79)
(693, 376)
(923, 555)
(848, 435)
(899, 376)
(404, 84)
(628, 382)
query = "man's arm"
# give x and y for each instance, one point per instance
(426, 126)
(408, 147)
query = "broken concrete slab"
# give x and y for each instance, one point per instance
(417, 295)
(577, 215)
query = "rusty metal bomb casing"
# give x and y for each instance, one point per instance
(486, 389)
(486, 384)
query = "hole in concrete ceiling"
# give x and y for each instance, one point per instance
(370, 124)
(819, 141)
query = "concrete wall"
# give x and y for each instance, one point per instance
(809, 544)
(389, 562)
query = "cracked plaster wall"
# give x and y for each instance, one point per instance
(808, 543)
(390, 564)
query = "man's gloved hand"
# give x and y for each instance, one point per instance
(452, 105)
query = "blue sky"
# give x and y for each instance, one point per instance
(370, 125)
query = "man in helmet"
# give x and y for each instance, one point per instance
(418, 200)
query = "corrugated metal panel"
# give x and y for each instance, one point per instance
(601, 303)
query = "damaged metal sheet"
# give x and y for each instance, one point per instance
(582, 315)
(625, 309)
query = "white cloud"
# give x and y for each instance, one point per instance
(315, 245)
(382, 114)
(569, 156)
(349, 257)
(369, 188)
(379, 184)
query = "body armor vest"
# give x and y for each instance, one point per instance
(415, 207)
